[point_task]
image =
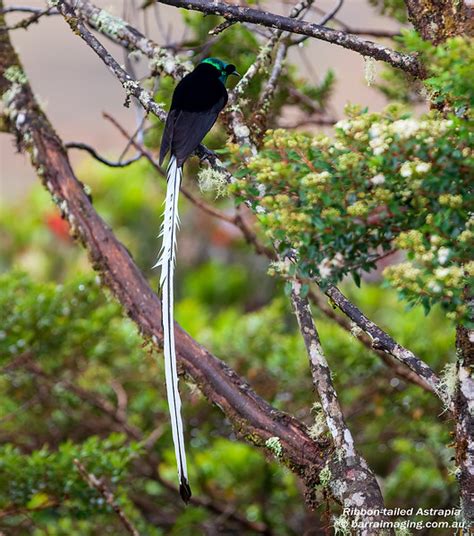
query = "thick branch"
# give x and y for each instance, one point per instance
(404, 62)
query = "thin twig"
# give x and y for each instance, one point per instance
(222, 27)
(99, 485)
(404, 62)
(37, 14)
(327, 17)
(400, 370)
(97, 156)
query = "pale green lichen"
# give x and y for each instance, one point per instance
(369, 70)
(108, 24)
(135, 55)
(131, 86)
(211, 180)
(163, 62)
(273, 444)
(8, 99)
(342, 526)
(319, 426)
(448, 381)
(325, 476)
(87, 190)
(15, 75)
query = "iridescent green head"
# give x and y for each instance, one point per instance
(225, 69)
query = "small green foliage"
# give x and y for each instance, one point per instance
(15, 75)
(44, 478)
(273, 444)
(325, 476)
(450, 68)
(392, 8)
(342, 526)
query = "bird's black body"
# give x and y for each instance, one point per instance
(197, 101)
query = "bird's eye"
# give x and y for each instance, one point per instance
(229, 69)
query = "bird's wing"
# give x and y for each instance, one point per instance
(189, 129)
(167, 134)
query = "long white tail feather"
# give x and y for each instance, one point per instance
(166, 260)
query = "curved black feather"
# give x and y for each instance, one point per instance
(197, 101)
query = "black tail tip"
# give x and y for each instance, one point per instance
(185, 490)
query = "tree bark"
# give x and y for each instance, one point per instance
(464, 413)
(438, 20)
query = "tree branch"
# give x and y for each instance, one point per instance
(99, 485)
(383, 341)
(400, 370)
(405, 62)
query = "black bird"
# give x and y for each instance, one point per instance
(197, 101)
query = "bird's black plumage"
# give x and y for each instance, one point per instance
(197, 101)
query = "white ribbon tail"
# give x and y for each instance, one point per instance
(169, 229)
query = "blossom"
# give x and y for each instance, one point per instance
(378, 179)
(406, 170)
(405, 128)
(443, 255)
(423, 167)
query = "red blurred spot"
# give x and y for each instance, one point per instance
(58, 226)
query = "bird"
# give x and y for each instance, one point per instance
(195, 105)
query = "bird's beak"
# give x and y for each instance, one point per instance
(236, 73)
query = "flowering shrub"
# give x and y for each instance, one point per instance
(385, 182)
